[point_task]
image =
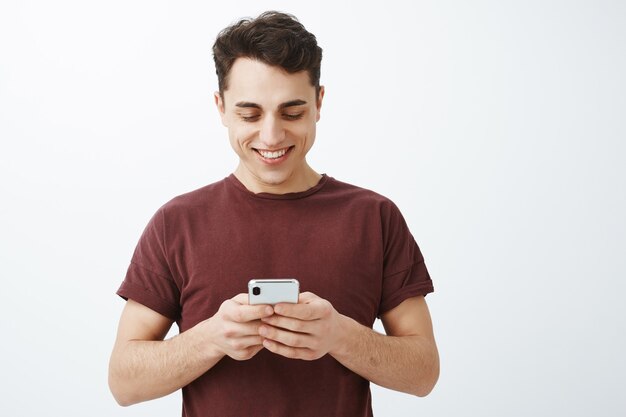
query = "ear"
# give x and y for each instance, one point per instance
(319, 102)
(219, 103)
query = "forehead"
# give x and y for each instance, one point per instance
(254, 81)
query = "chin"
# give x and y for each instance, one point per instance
(274, 179)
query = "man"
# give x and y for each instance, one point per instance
(274, 217)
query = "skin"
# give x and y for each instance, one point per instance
(405, 359)
(266, 109)
(143, 366)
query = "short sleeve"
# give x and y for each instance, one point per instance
(149, 279)
(404, 270)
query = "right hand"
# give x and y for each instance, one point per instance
(235, 327)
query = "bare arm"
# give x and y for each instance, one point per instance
(143, 366)
(404, 360)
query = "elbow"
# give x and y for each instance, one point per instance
(120, 395)
(426, 387)
(428, 380)
(122, 401)
(121, 392)
(423, 390)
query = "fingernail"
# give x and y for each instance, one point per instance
(269, 311)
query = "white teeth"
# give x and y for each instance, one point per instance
(273, 155)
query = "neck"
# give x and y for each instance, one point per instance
(302, 180)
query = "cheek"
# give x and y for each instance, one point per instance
(241, 134)
(310, 134)
(304, 130)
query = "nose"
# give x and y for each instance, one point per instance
(272, 133)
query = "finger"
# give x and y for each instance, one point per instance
(241, 298)
(288, 323)
(285, 337)
(299, 311)
(241, 343)
(288, 351)
(241, 313)
(307, 297)
(235, 330)
(245, 354)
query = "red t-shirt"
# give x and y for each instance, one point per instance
(346, 244)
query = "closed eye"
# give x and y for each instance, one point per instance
(293, 116)
(249, 118)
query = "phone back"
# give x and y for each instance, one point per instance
(273, 291)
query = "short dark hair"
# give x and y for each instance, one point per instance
(274, 38)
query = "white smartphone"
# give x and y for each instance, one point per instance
(273, 291)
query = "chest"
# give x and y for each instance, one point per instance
(337, 256)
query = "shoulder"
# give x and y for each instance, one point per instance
(198, 199)
(193, 203)
(359, 195)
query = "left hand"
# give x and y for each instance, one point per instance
(307, 330)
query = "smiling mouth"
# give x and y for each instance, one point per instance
(273, 154)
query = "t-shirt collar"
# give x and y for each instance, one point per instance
(233, 180)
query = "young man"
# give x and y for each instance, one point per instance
(274, 217)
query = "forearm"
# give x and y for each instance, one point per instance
(408, 363)
(142, 370)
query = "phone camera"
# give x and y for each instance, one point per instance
(256, 290)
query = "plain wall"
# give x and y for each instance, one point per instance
(497, 127)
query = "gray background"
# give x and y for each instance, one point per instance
(497, 127)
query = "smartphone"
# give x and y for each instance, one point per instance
(273, 291)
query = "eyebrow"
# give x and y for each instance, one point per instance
(291, 103)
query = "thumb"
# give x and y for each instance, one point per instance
(307, 297)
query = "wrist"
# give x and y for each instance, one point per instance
(202, 343)
(347, 329)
